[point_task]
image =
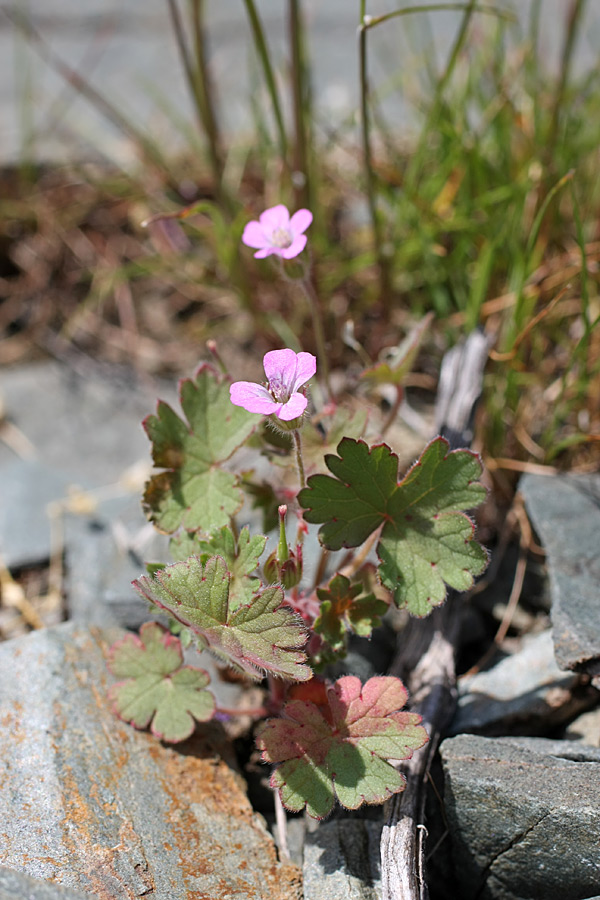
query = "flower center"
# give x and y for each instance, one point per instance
(281, 238)
(279, 390)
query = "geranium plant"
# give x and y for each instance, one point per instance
(404, 540)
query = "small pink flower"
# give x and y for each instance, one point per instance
(276, 233)
(286, 372)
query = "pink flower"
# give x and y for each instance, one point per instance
(276, 233)
(286, 372)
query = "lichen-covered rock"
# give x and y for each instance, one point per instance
(90, 803)
(17, 886)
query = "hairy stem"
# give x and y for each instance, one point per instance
(299, 459)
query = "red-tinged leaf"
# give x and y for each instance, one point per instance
(342, 750)
(158, 690)
(264, 635)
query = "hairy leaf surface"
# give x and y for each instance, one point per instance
(158, 689)
(241, 557)
(340, 748)
(264, 635)
(426, 541)
(194, 491)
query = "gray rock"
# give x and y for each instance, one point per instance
(89, 802)
(524, 691)
(87, 428)
(27, 487)
(17, 886)
(104, 553)
(523, 817)
(88, 433)
(342, 861)
(565, 511)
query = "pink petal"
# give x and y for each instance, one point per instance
(276, 217)
(254, 235)
(300, 221)
(253, 397)
(305, 369)
(293, 408)
(296, 247)
(281, 365)
(266, 251)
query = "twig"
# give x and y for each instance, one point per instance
(14, 595)
(425, 662)
(281, 821)
(425, 657)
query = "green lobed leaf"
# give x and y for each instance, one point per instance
(342, 609)
(343, 422)
(426, 541)
(241, 557)
(158, 689)
(340, 749)
(264, 635)
(194, 491)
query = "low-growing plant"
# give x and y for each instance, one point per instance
(404, 540)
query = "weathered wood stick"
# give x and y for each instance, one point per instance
(425, 654)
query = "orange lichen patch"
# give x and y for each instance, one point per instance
(236, 842)
(80, 837)
(11, 723)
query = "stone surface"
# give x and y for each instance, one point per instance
(565, 511)
(27, 487)
(342, 862)
(78, 494)
(92, 804)
(523, 817)
(105, 551)
(87, 428)
(524, 691)
(17, 886)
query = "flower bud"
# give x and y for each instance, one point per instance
(283, 565)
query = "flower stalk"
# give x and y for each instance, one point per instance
(299, 459)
